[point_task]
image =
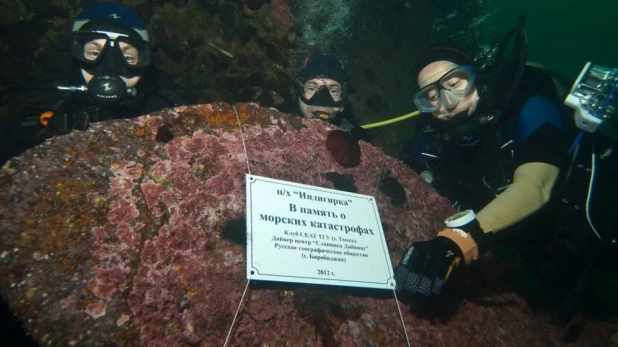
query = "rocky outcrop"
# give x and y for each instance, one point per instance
(132, 233)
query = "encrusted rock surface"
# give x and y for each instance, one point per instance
(130, 233)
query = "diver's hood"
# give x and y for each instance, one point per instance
(496, 87)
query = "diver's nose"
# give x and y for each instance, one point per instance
(112, 62)
(448, 101)
(446, 110)
(451, 109)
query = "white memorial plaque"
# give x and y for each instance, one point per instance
(307, 234)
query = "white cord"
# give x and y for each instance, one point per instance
(236, 315)
(248, 280)
(590, 186)
(394, 292)
(375, 190)
(243, 139)
(401, 316)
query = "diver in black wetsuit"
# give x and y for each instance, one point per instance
(322, 87)
(112, 77)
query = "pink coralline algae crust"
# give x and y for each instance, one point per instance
(109, 237)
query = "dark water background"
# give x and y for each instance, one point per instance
(562, 34)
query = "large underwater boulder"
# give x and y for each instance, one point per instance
(133, 233)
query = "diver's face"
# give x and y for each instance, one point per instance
(311, 87)
(93, 49)
(431, 74)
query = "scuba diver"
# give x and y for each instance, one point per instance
(495, 138)
(323, 87)
(112, 77)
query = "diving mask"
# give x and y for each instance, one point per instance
(447, 91)
(103, 52)
(324, 95)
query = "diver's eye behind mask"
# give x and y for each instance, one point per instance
(322, 95)
(113, 53)
(454, 85)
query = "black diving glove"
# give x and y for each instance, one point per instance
(340, 121)
(427, 265)
(33, 129)
(64, 122)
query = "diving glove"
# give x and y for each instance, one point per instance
(427, 265)
(340, 121)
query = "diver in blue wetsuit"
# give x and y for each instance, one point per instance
(502, 163)
(498, 144)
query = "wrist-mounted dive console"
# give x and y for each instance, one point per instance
(466, 222)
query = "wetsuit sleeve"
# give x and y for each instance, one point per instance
(540, 133)
(541, 141)
(159, 90)
(531, 189)
(164, 98)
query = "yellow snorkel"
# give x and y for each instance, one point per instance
(391, 121)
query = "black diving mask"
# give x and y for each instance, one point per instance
(112, 53)
(108, 56)
(322, 95)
